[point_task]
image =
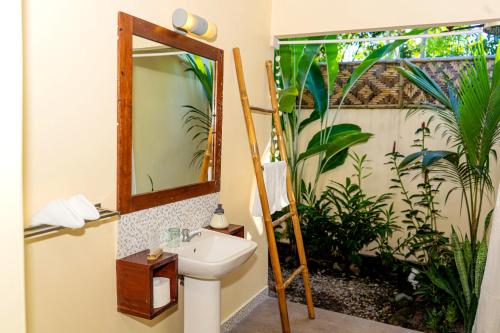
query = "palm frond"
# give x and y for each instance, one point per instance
(197, 121)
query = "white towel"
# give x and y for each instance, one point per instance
(275, 183)
(70, 213)
(83, 207)
(58, 212)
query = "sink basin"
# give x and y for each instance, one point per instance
(204, 261)
(212, 255)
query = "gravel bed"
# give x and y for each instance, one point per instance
(363, 297)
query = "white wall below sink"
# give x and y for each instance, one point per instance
(201, 306)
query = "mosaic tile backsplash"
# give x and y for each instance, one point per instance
(147, 228)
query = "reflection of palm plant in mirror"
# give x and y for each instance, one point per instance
(152, 183)
(198, 122)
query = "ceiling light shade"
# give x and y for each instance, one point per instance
(194, 24)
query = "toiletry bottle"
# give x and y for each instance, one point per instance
(218, 220)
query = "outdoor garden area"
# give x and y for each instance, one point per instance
(392, 147)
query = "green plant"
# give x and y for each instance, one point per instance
(298, 68)
(344, 220)
(423, 241)
(441, 311)
(384, 249)
(441, 319)
(199, 121)
(434, 319)
(358, 219)
(317, 230)
(462, 280)
(152, 183)
(470, 121)
(444, 46)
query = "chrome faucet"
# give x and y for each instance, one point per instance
(186, 237)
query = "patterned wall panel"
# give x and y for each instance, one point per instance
(383, 87)
(147, 228)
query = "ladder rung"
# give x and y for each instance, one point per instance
(257, 109)
(281, 219)
(293, 276)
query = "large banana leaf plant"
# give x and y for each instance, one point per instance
(298, 68)
(470, 122)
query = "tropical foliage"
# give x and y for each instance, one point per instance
(358, 219)
(469, 117)
(298, 68)
(422, 240)
(422, 48)
(198, 121)
(344, 219)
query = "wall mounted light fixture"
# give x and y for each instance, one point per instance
(193, 24)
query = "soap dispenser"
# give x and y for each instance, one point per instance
(218, 220)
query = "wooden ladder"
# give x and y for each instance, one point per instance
(269, 223)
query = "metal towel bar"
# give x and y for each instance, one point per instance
(32, 231)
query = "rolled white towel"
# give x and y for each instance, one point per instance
(58, 212)
(83, 207)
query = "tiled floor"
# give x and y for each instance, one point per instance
(265, 319)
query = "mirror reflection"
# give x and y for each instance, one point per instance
(171, 117)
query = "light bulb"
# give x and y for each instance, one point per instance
(194, 24)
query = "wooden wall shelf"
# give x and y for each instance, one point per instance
(134, 282)
(232, 229)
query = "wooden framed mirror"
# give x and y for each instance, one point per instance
(169, 116)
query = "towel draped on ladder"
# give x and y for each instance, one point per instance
(275, 181)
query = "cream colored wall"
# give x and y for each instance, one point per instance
(70, 134)
(70, 147)
(297, 17)
(389, 125)
(12, 305)
(162, 146)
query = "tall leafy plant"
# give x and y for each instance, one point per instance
(422, 240)
(297, 69)
(470, 121)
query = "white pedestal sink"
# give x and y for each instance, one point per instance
(204, 261)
